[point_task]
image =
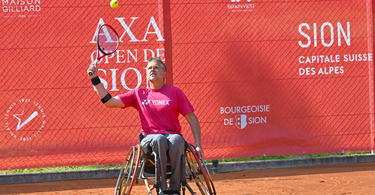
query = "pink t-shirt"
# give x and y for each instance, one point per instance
(158, 108)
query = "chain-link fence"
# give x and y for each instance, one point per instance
(265, 77)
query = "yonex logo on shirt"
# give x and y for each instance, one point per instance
(156, 102)
(145, 102)
(160, 102)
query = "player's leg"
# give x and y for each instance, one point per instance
(176, 149)
(159, 145)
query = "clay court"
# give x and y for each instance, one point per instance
(334, 179)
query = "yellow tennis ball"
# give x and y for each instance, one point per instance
(114, 3)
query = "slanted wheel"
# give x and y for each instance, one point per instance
(128, 171)
(199, 171)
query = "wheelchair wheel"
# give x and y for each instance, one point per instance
(199, 171)
(128, 171)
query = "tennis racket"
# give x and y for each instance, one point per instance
(107, 41)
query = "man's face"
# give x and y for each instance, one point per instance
(155, 71)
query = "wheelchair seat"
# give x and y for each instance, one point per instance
(149, 166)
(149, 158)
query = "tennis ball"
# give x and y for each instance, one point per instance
(114, 3)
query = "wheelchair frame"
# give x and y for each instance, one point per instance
(197, 170)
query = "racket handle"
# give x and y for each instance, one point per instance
(90, 72)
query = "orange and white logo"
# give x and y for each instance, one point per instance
(241, 6)
(25, 120)
(241, 121)
(21, 8)
(240, 0)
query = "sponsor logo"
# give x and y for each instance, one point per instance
(25, 120)
(135, 52)
(241, 6)
(327, 35)
(241, 120)
(21, 8)
(145, 102)
(156, 102)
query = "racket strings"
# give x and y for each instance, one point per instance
(107, 40)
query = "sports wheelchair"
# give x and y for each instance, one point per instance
(146, 165)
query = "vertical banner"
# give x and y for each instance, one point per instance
(51, 114)
(277, 77)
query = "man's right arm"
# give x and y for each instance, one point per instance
(110, 102)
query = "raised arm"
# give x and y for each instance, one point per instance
(104, 95)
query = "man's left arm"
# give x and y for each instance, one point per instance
(196, 130)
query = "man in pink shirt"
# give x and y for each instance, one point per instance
(159, 107)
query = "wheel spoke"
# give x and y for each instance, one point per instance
(128, 171)
(199, 173)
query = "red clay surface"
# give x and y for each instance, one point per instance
(337, 180)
